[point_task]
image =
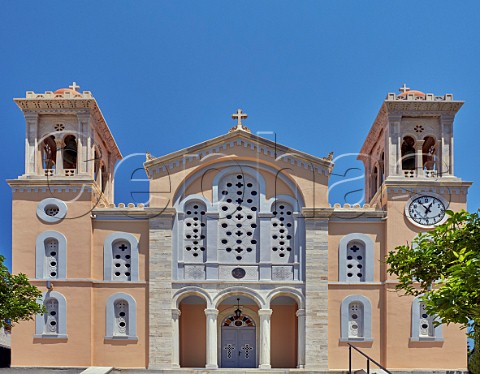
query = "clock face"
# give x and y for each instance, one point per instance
(426, 210)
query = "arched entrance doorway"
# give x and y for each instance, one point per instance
(238, 332)
(192, 332)
(238, 341)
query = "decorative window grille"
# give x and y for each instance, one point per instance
(356, 258)
(51, 317)
(355, 320)
(425, 327)
(195, 231)
(242, 321)
(239, 199)
(121, 318)
(51, 258)
(355, 261)
(281, 231)
(122, 260)
(51, 255)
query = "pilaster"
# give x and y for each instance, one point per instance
(31, 142)
(316, 294)
(160, 293)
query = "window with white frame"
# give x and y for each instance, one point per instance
(356, 319)
(121, 317)
(53, 323)
(355, 258)
(282, 232)
(51, 256)
(423, 326)
(195, 231)
(120, 257)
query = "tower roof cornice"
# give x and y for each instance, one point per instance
(68, 101)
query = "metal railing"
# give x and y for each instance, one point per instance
(364, 355)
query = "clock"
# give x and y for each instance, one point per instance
(426, 210)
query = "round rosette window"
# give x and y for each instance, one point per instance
(51, 210)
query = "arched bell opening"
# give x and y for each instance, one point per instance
(408, 153)
(70, 153)
(48, 150)
(284, 332)
(429, 153)
(192, 332)
(238, 332)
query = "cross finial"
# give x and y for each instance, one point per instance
(74, 86)
(239, 116)
(404, 88)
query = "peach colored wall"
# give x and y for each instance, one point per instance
(28, 351)
(338, 351)
(193, 335)
(284, 336)
(337, 230)
(101, 229)
(121, 354)
(401, 353)
(76, 227)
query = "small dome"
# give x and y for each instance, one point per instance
(61, 91)
(411, 92)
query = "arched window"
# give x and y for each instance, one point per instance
(428, 154)
(121, 317)
(120, 257)
(355, 258)
(195, 231)
(49, 155)
(51, 256)
(356, 319)
(282, 232)
(239, 204)
(423, 327)
(53, 324)
(69, 153)
(408, 153)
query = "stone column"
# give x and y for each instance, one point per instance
(445, 147)
(394, 151)
(32, 153)
(160, 292)
(212, 361)
(301, 337)
(59, 159)
(316, 294)
(419, 157)
(265, 315)
(175, 338)
(82, 147)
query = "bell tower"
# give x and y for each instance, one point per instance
(67, 140)
(410, 142)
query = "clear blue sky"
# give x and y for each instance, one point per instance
(168, 74)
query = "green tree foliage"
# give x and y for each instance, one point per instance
(444, 265)
(18, 298)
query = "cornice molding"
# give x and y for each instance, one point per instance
(238, 139)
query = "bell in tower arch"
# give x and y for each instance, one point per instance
(70, 152)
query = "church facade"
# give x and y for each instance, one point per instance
(237, 260)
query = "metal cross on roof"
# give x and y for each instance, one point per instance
(404, 88)
(239, 116)
(74, 86)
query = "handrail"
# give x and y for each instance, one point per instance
(364, 355)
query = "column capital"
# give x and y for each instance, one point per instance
(211, 312)
(176, 313)
(300, 313)
(265, 312)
